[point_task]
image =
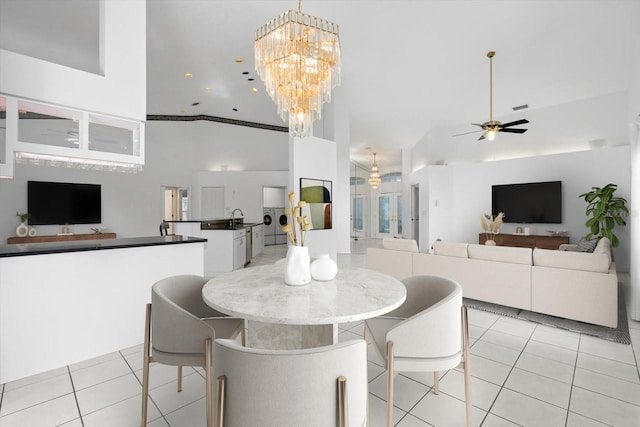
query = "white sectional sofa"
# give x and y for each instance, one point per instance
(574, 285)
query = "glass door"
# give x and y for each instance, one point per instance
(357, 215)
(389, 218)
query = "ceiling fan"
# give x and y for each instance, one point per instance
(492, 127)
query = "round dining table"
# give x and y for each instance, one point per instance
(281, 316)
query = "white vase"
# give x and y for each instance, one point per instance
(296, 266)
(33, 232)
(22, 230)
(324, 268)
(490, 242)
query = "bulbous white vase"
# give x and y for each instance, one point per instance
(22, 230)
(324, 268)
(490, 242)
(296, 266)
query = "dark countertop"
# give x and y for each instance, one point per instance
(93, 245)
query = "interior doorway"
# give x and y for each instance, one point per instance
(415, 213)
(175, 205)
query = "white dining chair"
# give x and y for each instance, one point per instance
(314, 387)
(179, 331)
(427, 333)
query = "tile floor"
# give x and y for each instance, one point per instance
(524, 374)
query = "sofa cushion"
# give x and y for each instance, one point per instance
(603, 246)
(508, 254)
(458, 250)
(585, 245)
(597, 262)
(406, 245)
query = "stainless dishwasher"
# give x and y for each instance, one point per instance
(249, 245)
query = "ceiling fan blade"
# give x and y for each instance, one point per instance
(481, 137)
(476, 124)
(467, 133)
(516, 123)
(513, 130)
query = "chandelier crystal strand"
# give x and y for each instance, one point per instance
(297, 56)
(374, 178)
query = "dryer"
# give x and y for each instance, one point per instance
(281, 219)
(269, 219)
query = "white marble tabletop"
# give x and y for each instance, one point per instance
(260, 294)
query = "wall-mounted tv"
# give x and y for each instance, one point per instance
(530, 203)
(55, 203)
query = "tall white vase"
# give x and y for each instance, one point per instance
(296, 266)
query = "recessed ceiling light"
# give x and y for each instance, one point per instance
(188, 75)
(520, 107)
(195, 104)
(254, 90)
(245, 72)
(250, 79)
(235, 109)
(207, 89)
(239, 60)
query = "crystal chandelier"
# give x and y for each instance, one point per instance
(374, 178)
(298, 58)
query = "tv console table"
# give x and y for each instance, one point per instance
(526, 241)
(60, 238)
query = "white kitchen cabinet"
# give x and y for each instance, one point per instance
(239, 251)
(257, 233)
(224, 251)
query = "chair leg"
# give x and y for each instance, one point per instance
(390, 383)
(208, 349)
(436, 382)
(467, 365)
(145, 365)
(365, 335)
(343, 403)
(220, 400)
(179, 378)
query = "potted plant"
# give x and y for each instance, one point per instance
(491, 225)
(606, 211)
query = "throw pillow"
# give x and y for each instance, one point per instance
(585, 245)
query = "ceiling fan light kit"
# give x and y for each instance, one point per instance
(297, 56)
(492, 127)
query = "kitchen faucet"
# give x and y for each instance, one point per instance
(233, 216)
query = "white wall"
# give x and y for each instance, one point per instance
(463, 192)
(217, 146)
(121, 91)
(316, 158)
(634, 124)
(242, 190)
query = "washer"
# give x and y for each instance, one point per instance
(269, 219)
(281, 219)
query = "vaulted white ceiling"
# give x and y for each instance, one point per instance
(409, 68)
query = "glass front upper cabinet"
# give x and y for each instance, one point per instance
(44, 134)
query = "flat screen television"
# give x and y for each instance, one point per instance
(55, 203)
(530, 203)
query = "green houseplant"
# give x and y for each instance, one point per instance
(23, 216)
(605, 212)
